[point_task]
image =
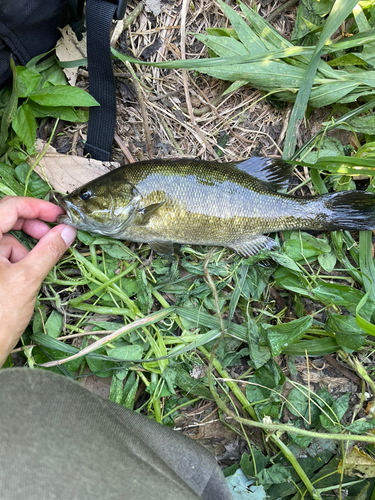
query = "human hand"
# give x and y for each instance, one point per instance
(21, 271)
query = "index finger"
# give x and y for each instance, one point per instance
(13, 208)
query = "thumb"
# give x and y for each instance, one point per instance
(48, 251)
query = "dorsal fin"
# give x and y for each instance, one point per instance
(275, 172)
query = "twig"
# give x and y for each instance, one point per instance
(281, 9)
(133, 16)
(143, 111)
(170, 135)
(207, 108)
(345, 371)
(124, 149)
(184, 9)
(124, 24)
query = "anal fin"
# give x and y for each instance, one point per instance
(162, 247)
(254, 245)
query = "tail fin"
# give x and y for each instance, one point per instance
(352, 210)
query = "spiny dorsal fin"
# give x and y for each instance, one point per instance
(275, 172)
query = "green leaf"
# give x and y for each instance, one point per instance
(27, 81)
(259, 352)
(327, 261)
(24, 125)
(276, 474)
(54, 324)
(189, 385)
(267, 377)
(100, 367)
(282, 336)
(253, 464)
(348, 60)
(198, 318)
(7, 176)
(9, 110)
(264, 29)
(116, 249)
(231, 32)
(144, 296)
(286, 279)
(63, 112)
(36, 186)
(85, 237)
(53, 75)
(285, 261)
(347, 332)
(130, 390)
(316, 347)
(339, 295)
(339, 408)
(251, 42)
(44, 354)
(126, 353)
(364, 124)
(116, 390)
(8, 362)
(319, 244)
(361, 426)
(299, 250)
(223, 46)
(63, 95)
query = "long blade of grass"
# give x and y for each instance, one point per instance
(342, 119)
(339, 13)
(147, 320)
(359, 40)
(250, 40)
(348, 165)
(197, 64)
(237, 293)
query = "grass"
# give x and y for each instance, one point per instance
(250, 330)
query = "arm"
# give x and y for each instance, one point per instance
(21, 271)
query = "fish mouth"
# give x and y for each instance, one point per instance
(73, 215)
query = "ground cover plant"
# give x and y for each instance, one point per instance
(276, 358)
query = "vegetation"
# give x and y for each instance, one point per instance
(207, 324)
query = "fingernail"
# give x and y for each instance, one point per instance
(68, 234)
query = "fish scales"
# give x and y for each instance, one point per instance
(212, 207)
(186, 201)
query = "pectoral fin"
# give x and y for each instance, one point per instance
(162, 247)
(255, 245)
(146, 212)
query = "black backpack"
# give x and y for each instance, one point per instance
(30, 27)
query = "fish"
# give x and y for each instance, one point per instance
(163, 202)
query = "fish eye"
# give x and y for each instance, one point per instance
(85, 194)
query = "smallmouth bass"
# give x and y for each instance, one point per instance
(188, 201)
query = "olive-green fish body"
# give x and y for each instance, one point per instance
(162, 202)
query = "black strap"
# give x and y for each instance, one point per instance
(77, 17)
(102, 120)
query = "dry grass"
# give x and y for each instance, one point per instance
(184, 113)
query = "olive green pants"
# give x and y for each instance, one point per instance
(59, 441)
